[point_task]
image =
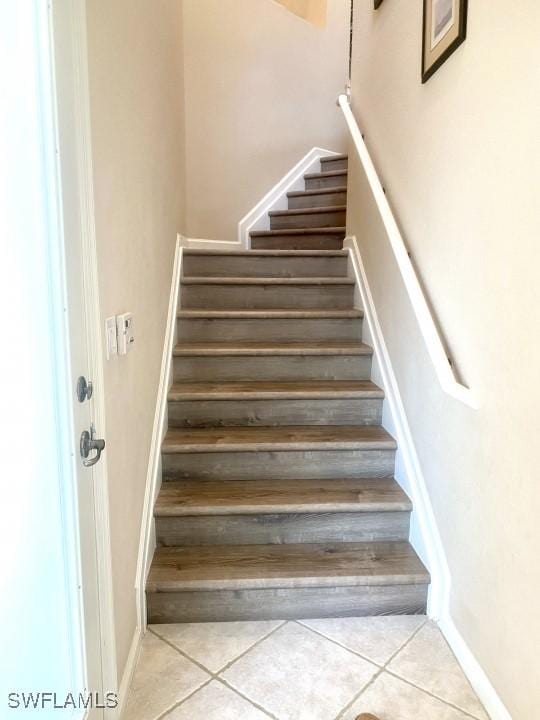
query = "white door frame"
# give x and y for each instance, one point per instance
(83, 151)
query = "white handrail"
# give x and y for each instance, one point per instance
(434, 342)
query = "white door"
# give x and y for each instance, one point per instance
(55, 598)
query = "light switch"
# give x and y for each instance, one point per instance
(125, 332)
(111, 341)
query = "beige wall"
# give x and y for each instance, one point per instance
(136, 106)
(260, 88)
(460, 158)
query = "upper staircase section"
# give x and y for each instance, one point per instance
(315, 218)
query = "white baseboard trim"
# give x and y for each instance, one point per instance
(208, 244)
(425, 536)
(471, 667)
(127, 676)
(276, 198)
(153, 479)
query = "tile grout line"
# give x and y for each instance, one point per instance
(165, 713)
(356, 652)
(417, 687)
(250, 648)
(213, 675)
(435, 697)
(245, 697)
(382, 669)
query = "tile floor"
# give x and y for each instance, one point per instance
(399, 668)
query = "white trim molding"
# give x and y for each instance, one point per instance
(424, 532)
(425, 536)
(276, 198)
(129, 671)
(444, 369)
(147, 542)
(481, 684)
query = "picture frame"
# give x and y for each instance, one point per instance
(444, 29)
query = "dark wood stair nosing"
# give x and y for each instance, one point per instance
(335, 230)
(274, 390)
(322, 175)
(309, 211)
(267, 253)
(281, 438)
(192, 568)
(275, 280)
(277, 349)
(318, 191)
(269, 314)
(212, 498)
(334, 158)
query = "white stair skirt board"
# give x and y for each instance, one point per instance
(275, 199)
(425, 537)
(147, 542)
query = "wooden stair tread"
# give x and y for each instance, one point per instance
(282, 314)
(318, 191)
(279, 438)
(322, 175)
(274, 390)
(269, 253)
(308, 210)
(299, 231)
(246, 280)
(285, 566)
(235, 497)
(271, 348)
(334, 158)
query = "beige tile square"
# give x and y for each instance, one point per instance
(298, 675)
(214, 645)
(392, 699)
(376, 638)
(428, 662)
(216, 702)
(162, 678)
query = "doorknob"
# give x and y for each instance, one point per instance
(84, 389)
(89, 442)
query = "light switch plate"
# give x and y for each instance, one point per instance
(111, 339)
(125, 332)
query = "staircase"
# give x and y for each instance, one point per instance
(278, 499)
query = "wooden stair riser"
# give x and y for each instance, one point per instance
(330, 164)
(284, 330)
(308, 219)
(313, 241)
(286, 603)
(292, 367)
(219, 413)
(279, 465)
(319, 199)
(264, 266)
(267, 296)
(315, 182)
(282, 528)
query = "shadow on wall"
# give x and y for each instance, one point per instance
(314, 11)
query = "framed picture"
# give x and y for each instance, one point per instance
(444, 29)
